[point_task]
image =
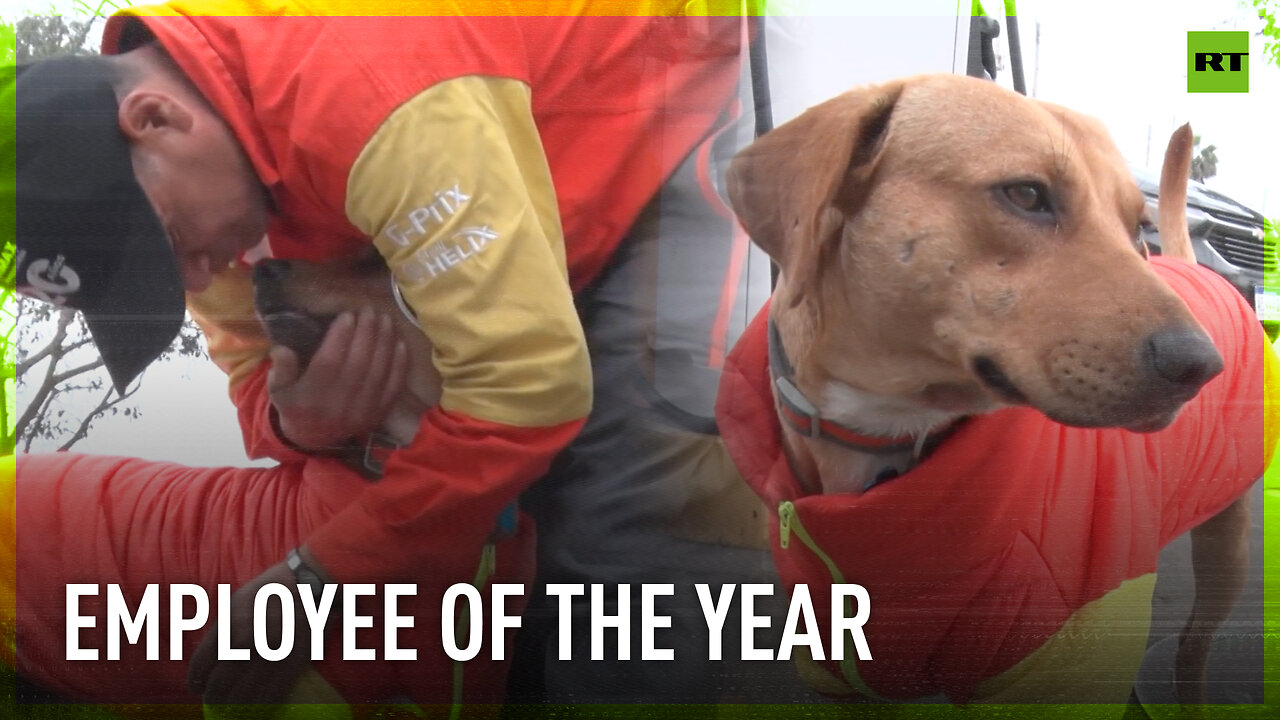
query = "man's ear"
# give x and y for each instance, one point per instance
(145, 112)
(793, 188)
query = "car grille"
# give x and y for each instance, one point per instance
(1239, 244)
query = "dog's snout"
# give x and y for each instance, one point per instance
(270, 271)
(268, 286)
(1185, 358)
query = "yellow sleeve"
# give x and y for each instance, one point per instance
(455, 190)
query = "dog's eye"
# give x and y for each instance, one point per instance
(1032, 197)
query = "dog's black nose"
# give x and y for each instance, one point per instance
(1183, 357)
(269, 278)
(270, 271)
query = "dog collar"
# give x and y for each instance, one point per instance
(803, 416)
(404, 306)
(368, 457)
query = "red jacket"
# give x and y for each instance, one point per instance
(979, 556)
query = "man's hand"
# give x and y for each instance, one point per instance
(348, 388)
(255, 680)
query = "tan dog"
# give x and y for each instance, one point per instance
(924, 279)
(921, 283)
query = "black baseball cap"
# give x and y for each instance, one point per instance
(87, 237)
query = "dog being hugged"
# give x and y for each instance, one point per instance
(297, 301)
(974, 394)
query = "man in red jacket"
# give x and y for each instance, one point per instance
(494, 175)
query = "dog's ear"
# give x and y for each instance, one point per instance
(793, 188)
(1175, 238)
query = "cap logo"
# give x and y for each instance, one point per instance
(51, 281)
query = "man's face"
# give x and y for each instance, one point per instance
(196, 175)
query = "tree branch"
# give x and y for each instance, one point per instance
(28, 434)
(30, 362)
(103, 405)
(48, 384)
(60, 377)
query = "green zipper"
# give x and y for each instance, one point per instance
(485, 571)
(788, 524)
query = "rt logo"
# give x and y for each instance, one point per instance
(1218, 61)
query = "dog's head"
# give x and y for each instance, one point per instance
(956, 247)
(297, 301)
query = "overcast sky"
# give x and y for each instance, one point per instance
(1124, 63)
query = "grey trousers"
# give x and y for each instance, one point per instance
(647, 494)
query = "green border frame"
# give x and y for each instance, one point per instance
(8, 315)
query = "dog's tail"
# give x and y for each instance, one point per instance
(1175, 239)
